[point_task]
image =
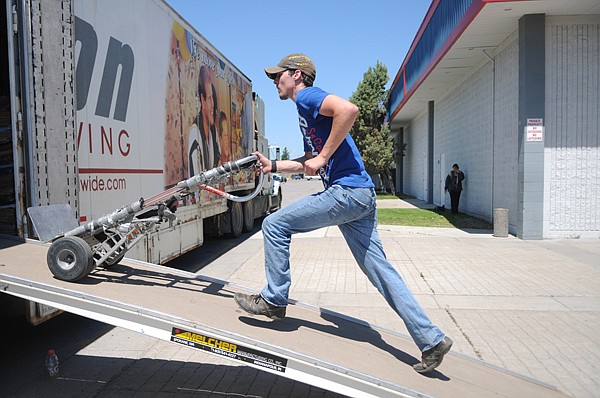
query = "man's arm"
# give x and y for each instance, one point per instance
(303, 158)
(344, 114)
(285, 166)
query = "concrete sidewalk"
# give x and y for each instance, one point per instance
(532, 307)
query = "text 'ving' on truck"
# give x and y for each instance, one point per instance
(103, 102)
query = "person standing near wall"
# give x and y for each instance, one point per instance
(454, 186)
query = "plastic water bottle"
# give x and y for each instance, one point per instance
(52, 364)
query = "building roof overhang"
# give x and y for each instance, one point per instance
(483, 26)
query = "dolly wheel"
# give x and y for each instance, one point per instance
(70, 258)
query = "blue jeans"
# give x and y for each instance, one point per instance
(353, 211)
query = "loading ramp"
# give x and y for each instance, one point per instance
(310, 345)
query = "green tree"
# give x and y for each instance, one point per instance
(370, 131)
(285, 155)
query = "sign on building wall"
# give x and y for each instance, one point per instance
(535, 130)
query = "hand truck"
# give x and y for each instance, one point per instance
(77, 250)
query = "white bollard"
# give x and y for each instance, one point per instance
(500, 223)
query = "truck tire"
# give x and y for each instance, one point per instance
(279, 200)
(236, 219)
(248, 208)
(70, 258)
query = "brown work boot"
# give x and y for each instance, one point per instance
(433, 357)
(256, 305)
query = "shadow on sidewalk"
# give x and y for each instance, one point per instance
(463, 221)
(212, 248)
(432, 218)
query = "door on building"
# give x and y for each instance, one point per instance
(425, 177)
(442, 179)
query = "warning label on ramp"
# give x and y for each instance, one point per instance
(228, 349)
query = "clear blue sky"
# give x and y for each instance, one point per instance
(343, 37)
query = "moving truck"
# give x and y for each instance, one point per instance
(106, 101)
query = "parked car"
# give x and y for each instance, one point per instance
(317, 177)
(279, 177)
(296, 176)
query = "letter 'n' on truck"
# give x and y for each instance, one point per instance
(103, 102)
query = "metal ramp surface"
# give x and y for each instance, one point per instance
(313, 346)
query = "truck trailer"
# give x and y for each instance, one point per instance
(103, 102)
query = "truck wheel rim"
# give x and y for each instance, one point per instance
(65, 259)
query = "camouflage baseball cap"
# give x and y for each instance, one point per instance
(294, 62)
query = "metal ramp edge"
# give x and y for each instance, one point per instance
(251, 352)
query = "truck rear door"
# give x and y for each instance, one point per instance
(38, 153)
(11, 203)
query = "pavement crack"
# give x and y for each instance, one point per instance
(447, 309)
(465, 335)
(427, 283)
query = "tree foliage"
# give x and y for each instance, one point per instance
(370, 131)
(285, 155)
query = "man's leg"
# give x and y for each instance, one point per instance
(304, 215)
(453, 202)
(324, 209)
(365, 244)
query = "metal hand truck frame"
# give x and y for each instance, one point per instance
(104, 241)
